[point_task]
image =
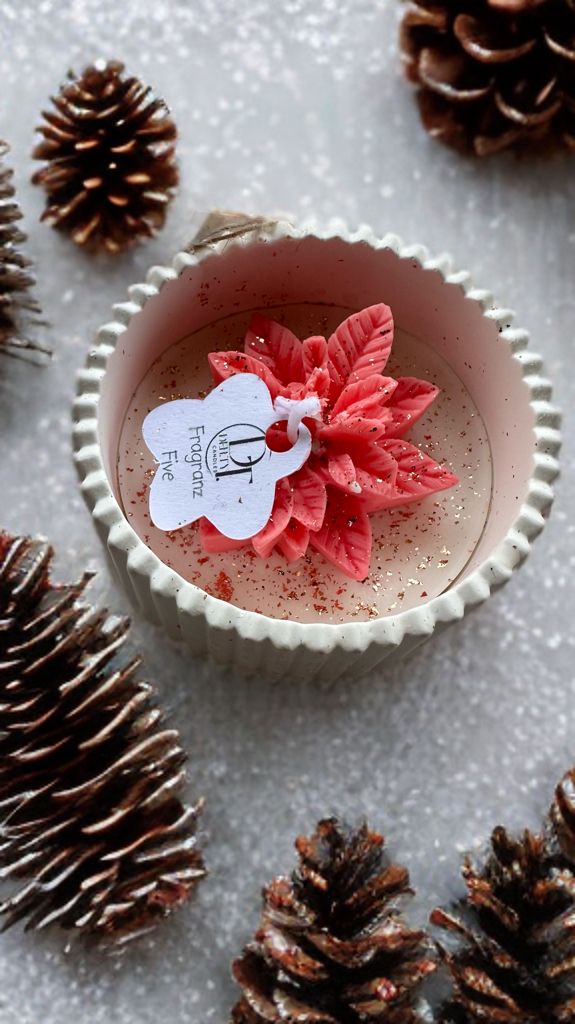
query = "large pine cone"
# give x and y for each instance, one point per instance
(331, 947)
(493, 73)
(514, 955)
(19, 311)
(110, 170)
(90, 816)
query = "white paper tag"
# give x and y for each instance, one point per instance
(214, 460)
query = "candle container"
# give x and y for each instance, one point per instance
(493, 425)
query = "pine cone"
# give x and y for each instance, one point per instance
(493, 73)
(514, 956)
(18, 309)
(89, 775)
(110, 170)
(331, 947)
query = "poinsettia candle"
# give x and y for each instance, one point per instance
(375, 520)
(371, 436)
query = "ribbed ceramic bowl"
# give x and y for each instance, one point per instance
(282, 264)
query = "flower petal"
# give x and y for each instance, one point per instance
(345, 538)
(409, 401)
(341, 472)
(360, 346)
(318, 383)
(309, 498)
(264, 541)
(314, 351)
(276, 347)
(293, 542)
(213, 541)
(376, 471)
(340, 434)
(365, 397)
(225, 364)
(417, 474)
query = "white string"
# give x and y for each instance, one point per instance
(294, 411)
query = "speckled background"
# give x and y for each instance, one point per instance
(296, 106)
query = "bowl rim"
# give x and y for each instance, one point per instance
(385, 631)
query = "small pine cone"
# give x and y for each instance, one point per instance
(110, 169)
(332, 948)
(513, 959)
(493, 73)
(18, 309)
(90, 817)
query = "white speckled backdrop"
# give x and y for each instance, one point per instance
(294, 105)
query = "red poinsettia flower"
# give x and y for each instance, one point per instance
(359, 462)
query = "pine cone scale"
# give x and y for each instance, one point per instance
(544, 108)
(444, 72)
(490, 46)
(566, 49)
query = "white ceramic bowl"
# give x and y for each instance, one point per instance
(280, 264)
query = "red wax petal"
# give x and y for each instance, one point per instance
(409, 401)
(345, 538)
(294, 541)
(213, 541)
(276, 347)
(314, 354)
(417, 474)
(365, 397)
(309, 498)
(264, 541)
(360, 346)
(225, 364)
(342, 471)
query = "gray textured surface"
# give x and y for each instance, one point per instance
(295, 106)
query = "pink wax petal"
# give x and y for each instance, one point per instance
(376, 471)
(345, 538)
(349, 429)
(309, 497)
(360, 346)
(225, 364)
(417, 474)
(409, 401)
(342, 471)
(213, 541)
(276, 347)
(314, 351)
(318, 383)
(264, 541)
(294, 541)
(373, 457)
(366, 397)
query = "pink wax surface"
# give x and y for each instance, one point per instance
(418, 550)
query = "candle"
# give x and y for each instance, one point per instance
(419, 550)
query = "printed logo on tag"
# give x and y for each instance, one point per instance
(214, 460)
